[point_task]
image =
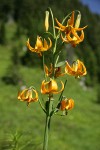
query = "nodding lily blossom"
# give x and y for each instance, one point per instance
(48, 71)
(57, 71)
(27, 95)
(71, 35)
(40, 45)
(73, 38)
(66, 104)
(46, 20)
(66, 28)
(51, 87)
(77, 69)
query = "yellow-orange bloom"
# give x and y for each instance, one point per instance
(71, 30)
(40, 46)
(27, 95)
(66, 28)
(57, 71)
(66, 104)
(73, 38)
(51, 87)
(48, 71)
(77, 69)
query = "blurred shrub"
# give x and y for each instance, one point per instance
(2, 33)
(13, 75)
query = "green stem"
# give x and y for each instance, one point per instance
(41, 105)
(46, 133)
(52, 22)
(47, 124)
(56, 60)
(54, 50)
(43, 61)
(59, 100)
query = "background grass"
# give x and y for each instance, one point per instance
(79, 130)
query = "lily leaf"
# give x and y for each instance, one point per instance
(60, 64)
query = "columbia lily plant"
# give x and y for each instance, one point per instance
(40, 46)
(71, 30)
(68, 32)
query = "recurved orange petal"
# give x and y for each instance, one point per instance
(30, 47)
(35, 98)
(81, 68)
(61, 27)
(66, 104)
(62, 88)
(27, 95)
(44, 90)
(46, 46)
(48, 71)
(68, 69)
(63, 105)
(69, 104)
(52, 86)
(78, 69)
(22, 95)
(38, 43)
(71, 20)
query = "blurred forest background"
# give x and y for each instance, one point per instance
(20, 19)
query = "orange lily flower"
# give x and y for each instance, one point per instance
(67, 104)
(48, 71)
(78, 69)
(66, 28)
(57, 71)
(51, 87)
(26, 95)
(40, 46)
(71, 30)
(75, 39)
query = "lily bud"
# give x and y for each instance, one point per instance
(46, 20)
(77, 23)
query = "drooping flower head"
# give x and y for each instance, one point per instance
(57, 71)
(51, 87)
(77, 69)
(48, 71)
(67, 104)
(66, 28)
(72, 30)
(40, 46)
(27, 95)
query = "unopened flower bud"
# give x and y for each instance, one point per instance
(46, 20)
(77, 23)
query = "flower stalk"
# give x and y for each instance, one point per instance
(46, 133)
(61, 34)
(47, 123)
